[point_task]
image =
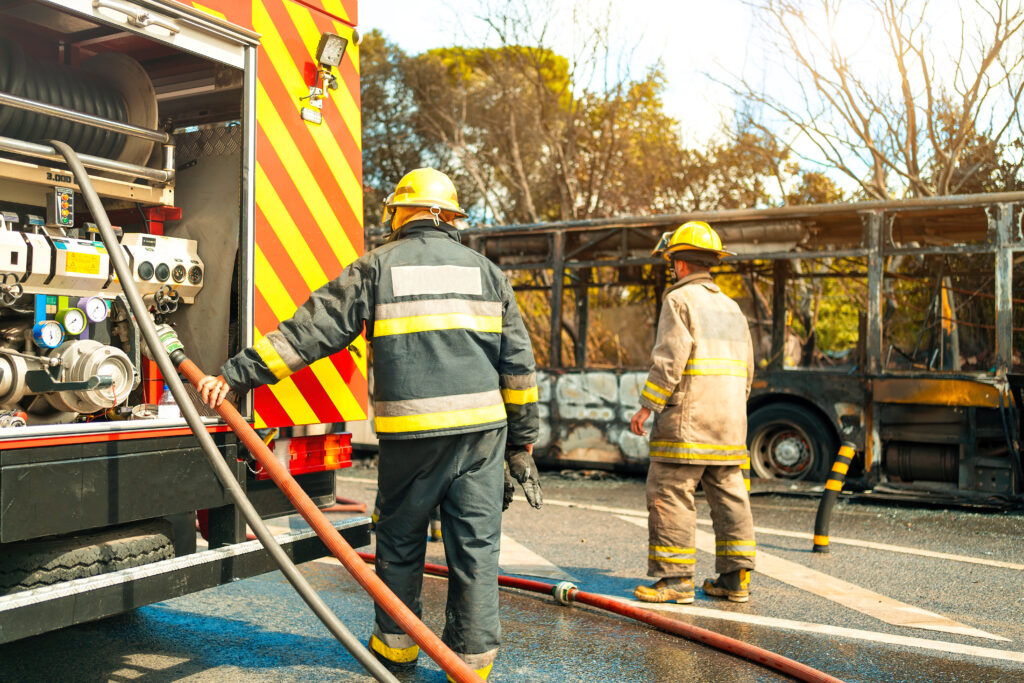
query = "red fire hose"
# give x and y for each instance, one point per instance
(565, 593)
(345, 505)
(348, 557)
(168, 362)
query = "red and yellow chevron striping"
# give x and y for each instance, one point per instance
(308, 213)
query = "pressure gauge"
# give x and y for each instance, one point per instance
(178, 273)
(73, 320)
(48, 334)
(95, 308)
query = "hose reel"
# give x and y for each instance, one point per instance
(109, 85)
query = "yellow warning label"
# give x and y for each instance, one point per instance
(85, 264)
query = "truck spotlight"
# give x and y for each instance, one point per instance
(331, 50)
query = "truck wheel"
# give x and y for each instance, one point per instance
(788, 441)
(31, 564)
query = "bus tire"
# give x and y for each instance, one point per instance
(789, 441)
(31, 564)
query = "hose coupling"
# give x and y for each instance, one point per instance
(563, 591)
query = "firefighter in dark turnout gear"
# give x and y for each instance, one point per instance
(455, 392)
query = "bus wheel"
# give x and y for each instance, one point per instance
(788, 441)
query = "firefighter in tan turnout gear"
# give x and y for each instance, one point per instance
(455, 397)
(702, 369)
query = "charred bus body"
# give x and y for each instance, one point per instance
(891, 324)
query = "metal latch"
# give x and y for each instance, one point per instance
(136, 16)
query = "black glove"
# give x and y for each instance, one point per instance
(522, 468)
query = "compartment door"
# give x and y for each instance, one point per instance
(308, 213)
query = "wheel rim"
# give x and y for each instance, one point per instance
(781, 451)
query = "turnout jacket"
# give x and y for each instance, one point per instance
(450, 352)
(702, 367)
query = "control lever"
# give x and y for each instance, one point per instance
(43, 381)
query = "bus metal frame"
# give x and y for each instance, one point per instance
(873, 405)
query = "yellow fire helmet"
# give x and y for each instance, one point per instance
(427, 188)
(690, 236)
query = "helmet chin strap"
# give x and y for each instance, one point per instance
(435, 211)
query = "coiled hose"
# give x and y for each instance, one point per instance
(63, 87)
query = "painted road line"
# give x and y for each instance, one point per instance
(906, 550)
(834, 631)
(515, 558)
(808, 536)
(847, 594)
(883, 546)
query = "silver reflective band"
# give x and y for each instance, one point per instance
(416, 280)
(408, 309)
(437, 404)
(398, 641)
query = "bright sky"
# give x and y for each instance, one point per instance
(698, 41)
(692, 37)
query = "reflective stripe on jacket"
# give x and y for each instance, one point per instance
(702, 367)
(450, 351)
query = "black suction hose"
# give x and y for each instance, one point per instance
(195, 423)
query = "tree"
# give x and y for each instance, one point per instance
(815, 188)
(927, 124)
(391, 146)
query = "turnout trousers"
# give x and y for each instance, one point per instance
(464, 475)
(672, 521)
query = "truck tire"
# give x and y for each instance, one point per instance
(32, 564)
(788, 441)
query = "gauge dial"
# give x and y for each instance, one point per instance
(145, 270)
(73, 320)
(95, 308)
(195, 275)
(48, 334)
(163, 271)
(178, 273)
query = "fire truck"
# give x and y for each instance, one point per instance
(224, 140)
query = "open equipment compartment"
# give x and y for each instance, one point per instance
(156, 105)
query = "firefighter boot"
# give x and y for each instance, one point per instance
(435, 531)
(732, 585)
(667, 589)
(397, 660)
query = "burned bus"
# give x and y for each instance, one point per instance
(890, 324)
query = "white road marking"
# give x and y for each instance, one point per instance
(847, 594)
(884, 546)
(515, 558)
(810, 537)
(828, 630)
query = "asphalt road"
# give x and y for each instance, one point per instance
(959, 574)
